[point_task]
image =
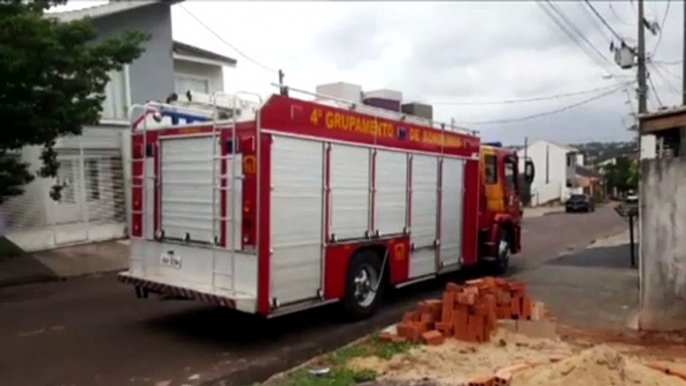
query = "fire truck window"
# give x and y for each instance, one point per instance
(510, 175)
(491, 169)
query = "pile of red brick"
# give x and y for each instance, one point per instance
(469, 312)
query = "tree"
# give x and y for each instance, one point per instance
(623, 175)
(53, 80)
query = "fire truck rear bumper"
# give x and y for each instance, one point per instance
(237, 301)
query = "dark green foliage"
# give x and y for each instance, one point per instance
(53, 79)
(623, 175)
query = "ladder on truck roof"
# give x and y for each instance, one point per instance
(196, 111)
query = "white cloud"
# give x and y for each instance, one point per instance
(440, 52)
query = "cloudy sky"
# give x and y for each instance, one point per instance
(459, 56)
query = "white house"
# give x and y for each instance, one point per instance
(555, 166)
(580, 159)
(94, 166)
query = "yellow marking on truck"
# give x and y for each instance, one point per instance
(495, 196)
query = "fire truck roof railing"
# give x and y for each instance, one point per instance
(200, 110)
(352, 105)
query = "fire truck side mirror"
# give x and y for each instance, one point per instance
(529, 171)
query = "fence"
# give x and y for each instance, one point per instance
(92, 203)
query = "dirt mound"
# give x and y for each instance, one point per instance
(597, 366)
(455, 361)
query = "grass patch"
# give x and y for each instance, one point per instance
(9, 249)
(340, 374)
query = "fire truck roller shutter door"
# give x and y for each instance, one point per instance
(350, 191)
(391, 192)
(187, 185)
(297, 170)
(452, 210)
(424, 211)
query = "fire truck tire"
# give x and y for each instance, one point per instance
(362, 290)
(500, 265)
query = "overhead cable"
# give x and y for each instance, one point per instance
(526, 100)
(654, 89)
(241, 53)
(664, 79)
(602, 19)
(576, 30)
(545, 113)
(662, 27)
(573, 38)
(617, 15)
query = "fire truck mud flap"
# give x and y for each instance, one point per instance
(236, 301)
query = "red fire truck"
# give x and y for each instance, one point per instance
(285, 205)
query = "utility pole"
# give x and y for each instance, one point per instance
(642, 87)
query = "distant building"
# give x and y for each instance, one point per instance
(590, 182)
(555, 166)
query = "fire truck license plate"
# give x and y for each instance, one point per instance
(170, 259)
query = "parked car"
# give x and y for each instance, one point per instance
(579, 203)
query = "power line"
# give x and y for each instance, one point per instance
(545, 113)
(571, 36)
(654, 89)
(525, 100)
(662, 27)
(664, 79)
(670, 73)
(597, 25)
(225, 42)
(617, 16)
(604, 21)
(574, 28)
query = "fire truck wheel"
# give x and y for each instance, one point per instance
(500, 265)
(504, 252)
(362, 290)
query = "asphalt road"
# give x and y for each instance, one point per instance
(92, 331)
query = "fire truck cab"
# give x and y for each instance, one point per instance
(275, 207)
(500, 207)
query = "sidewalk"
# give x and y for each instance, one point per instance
(65, 262)
(595, 288)
(539, 211)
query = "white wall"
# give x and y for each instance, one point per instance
(35, 222)
(648, 147)
(213, 74)
(550, 188)
(662, 246)
(580, 159)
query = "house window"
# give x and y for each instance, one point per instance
(114, 106)
(570, 161)
(92, 179)
(491, 169)
(184, 83)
